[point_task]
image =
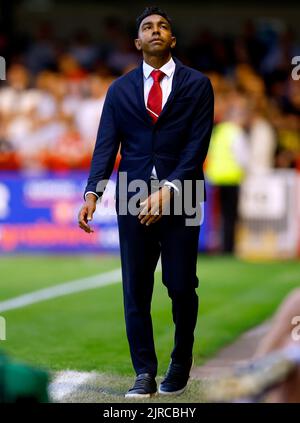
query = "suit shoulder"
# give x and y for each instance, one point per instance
(122, 83)
(197, 83)
(196, 76)
(124, 79)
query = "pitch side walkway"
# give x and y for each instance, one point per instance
(236, 353)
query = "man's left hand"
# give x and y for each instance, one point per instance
(153, 207)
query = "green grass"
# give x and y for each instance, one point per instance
(107, 388)
(23, 274)
(86, 331)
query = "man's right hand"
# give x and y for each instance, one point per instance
(86, 213)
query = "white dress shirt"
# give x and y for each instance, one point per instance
(166, 87)
(166, 82)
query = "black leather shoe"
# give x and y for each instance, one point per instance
(176, 378)
(144, 387)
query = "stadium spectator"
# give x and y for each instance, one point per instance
(41, 52)
(87, 116)
(51, 81)
(272, 375)
(227, 161)
(83, 50)
(284, 334)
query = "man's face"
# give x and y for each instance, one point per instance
(155, 36)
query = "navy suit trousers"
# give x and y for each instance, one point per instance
(140, 247)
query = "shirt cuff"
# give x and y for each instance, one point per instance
(91, 192)
(170, 184)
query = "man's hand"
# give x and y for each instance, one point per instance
(86, 213)
(152, 208)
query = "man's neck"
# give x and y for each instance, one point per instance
(157, 62)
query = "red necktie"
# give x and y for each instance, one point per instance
(154, 103)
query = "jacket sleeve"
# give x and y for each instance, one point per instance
(195, 150)
(106, 148)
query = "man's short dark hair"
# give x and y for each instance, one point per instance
(152, 10)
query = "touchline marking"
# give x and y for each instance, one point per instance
(79, 285)
(61, 290)
(66, 383)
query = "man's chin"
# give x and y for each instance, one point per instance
(158, 50)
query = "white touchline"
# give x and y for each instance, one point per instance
(67, 382)
(60, 290)
(79, 285)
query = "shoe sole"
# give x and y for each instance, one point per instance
(140, 395)
(180, 391)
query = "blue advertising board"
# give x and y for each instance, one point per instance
(38, 214)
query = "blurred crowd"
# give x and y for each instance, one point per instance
(51, 101)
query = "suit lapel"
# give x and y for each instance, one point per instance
(139, 80)
(140, 93)
(177, 78)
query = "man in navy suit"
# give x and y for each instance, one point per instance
(161, 114)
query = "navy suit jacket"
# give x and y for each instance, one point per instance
(176, 144)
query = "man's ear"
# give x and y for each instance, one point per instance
(138, 44)
(173, 43)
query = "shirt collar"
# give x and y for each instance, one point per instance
(168, 68)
